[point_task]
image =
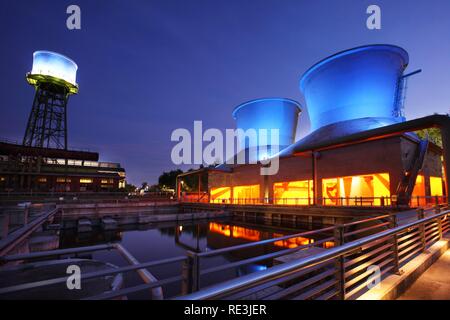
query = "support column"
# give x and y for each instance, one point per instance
(314, 177)
(178, 186)
(199, 186)
(266, 190)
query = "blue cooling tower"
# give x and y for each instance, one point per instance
(269, 113)
(357, 83)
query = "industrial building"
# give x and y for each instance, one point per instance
(43, 161)
(360, 151)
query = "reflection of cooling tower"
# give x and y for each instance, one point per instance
(268, 113)
(358, 83)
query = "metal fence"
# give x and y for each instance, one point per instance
(338, 272)
(415, 201)
(343, 271)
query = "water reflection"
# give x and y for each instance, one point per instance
(166, 240)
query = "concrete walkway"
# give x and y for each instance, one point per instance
(433, 284)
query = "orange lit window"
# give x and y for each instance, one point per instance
(42, 180)
(436, 186)
(350, 190)
(418, 194)
(246, 194)
(293, 192)
(219, 195)
(63, 180)
(86, 180)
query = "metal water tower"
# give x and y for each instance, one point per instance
(54, 78)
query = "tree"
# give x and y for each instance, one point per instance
(434, 135)
(129, 187)
(168, 179)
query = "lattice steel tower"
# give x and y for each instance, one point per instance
(54, 78)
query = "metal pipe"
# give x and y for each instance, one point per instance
(279, 271)
(59, 252)
(90, 275)
(146, 276)
(19, 235)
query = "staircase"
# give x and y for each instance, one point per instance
(406, 185)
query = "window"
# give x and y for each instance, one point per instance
(63, 180)
(357, 190)
(110, 181)
(246, 194)
(220, 195)
(293, 192)
(86, 180)
(42, 180)
(436, 186)
(418, 194)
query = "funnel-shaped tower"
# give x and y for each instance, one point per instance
(54, 78)
(358, 83)
(268, 113)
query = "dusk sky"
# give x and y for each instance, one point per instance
(147, 68)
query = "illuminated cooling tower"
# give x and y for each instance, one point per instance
(52, 66)
(358, 83)
(268, 113)
(54, 78)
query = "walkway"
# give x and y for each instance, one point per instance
(433, 284)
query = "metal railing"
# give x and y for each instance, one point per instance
(63, 196)
(150, 284)
(343, 271)
(358, 201)
(16, 223)
(337, 272)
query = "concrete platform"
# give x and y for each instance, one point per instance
(84, 225)
(433, 284)
(298, 255)
(109, 224)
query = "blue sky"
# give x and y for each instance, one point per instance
(149, 67)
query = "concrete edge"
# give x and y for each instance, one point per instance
(395, 285)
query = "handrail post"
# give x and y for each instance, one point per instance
(393, 224)
(437, 209)
(339, 239)
(186, 274)
(190, 273)
(439, 224)
(421, 215)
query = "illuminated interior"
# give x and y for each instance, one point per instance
(293, 192)
(418, 194)
(436, 186)
(246, 194)
(292, 242)
(255, 235)
(235, 231)
(219, 195)
(348, 190)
